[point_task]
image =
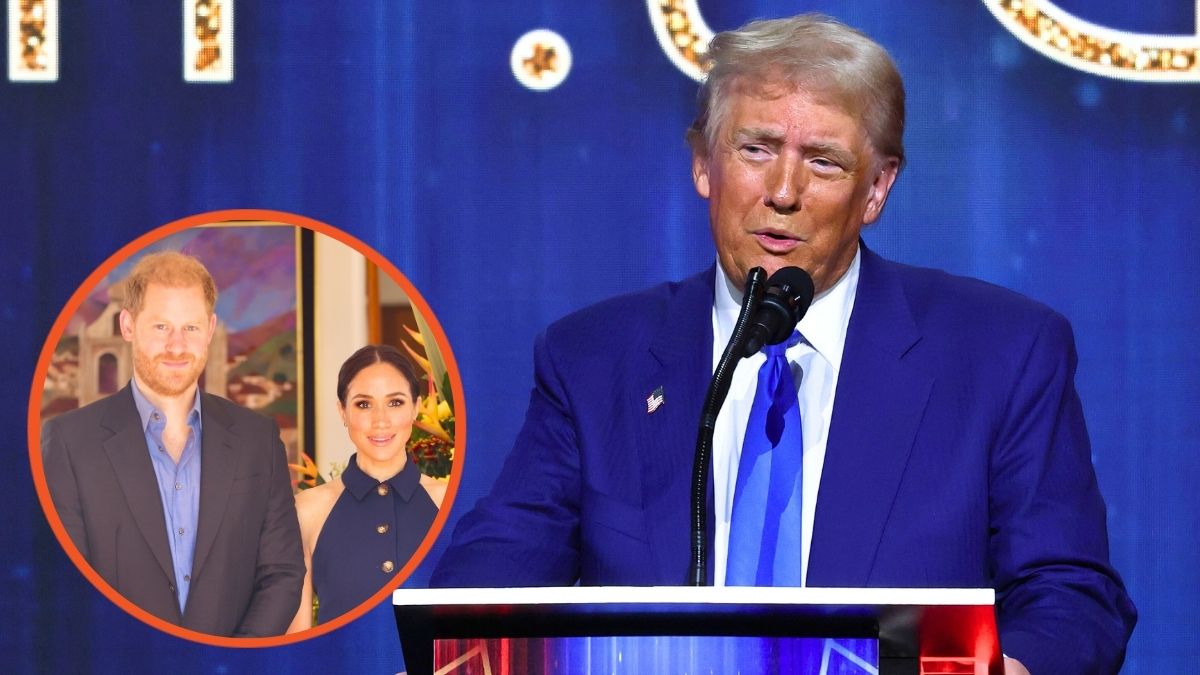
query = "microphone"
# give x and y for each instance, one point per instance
(766, 317)
(786, 300)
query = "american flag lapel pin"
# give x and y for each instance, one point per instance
(654, 401)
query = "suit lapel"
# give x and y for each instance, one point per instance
(218, 466)
(680, 361)
(877, 410)
(130, 459)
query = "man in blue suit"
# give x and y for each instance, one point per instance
(943, 440)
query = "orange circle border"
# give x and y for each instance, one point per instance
(81, 294)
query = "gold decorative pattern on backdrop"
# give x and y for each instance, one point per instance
(33, 40)
(1075, 42)
(208, 40)
(682, 34)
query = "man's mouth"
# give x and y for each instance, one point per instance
(776, 241)
(175, 361)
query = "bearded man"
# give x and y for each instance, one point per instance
(180, 500)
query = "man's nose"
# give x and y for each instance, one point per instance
(785, 184)
(176, 340)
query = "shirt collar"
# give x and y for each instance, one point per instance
(823, 326)
(147, 410)
(404, 484)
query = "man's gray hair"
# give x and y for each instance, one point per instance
(815, 53)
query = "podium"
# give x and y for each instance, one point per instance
(920, 631)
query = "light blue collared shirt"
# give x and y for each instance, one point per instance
(178, 485)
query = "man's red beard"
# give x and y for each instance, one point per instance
(167, 381)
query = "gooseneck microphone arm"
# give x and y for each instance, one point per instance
(718, 388)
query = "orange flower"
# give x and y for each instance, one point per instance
(306, 472)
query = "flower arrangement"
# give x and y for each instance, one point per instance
(431, 445)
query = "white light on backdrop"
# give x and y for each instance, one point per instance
(540, 59)
(208, 40)
(33, 40)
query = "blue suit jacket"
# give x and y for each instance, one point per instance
(957, 457)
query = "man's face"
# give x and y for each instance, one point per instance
(790, 180)
(170, 337)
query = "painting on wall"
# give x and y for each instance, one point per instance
(255, 356)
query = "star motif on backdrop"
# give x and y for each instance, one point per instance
(540, 59)
(544, 59)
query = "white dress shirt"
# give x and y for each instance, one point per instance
(815, 363)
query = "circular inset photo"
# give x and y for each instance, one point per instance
(246, 428)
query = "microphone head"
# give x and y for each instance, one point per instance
(795, 286)
(789, 293)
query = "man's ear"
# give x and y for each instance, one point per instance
(700, 171)
(126, 321)
(880, 188)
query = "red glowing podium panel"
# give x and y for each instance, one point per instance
(920, 631)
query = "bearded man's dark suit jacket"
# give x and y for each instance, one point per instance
(248, 565)
(957, 457)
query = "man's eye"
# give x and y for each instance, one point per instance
(825, 165)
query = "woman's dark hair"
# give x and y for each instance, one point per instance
(370, 355)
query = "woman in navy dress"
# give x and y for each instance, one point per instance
(363, 526)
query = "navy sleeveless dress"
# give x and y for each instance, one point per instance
(372, 531)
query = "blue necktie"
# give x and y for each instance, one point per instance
(764, 533)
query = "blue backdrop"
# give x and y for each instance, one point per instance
(401, 123)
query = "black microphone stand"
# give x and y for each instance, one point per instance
(718, 389)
